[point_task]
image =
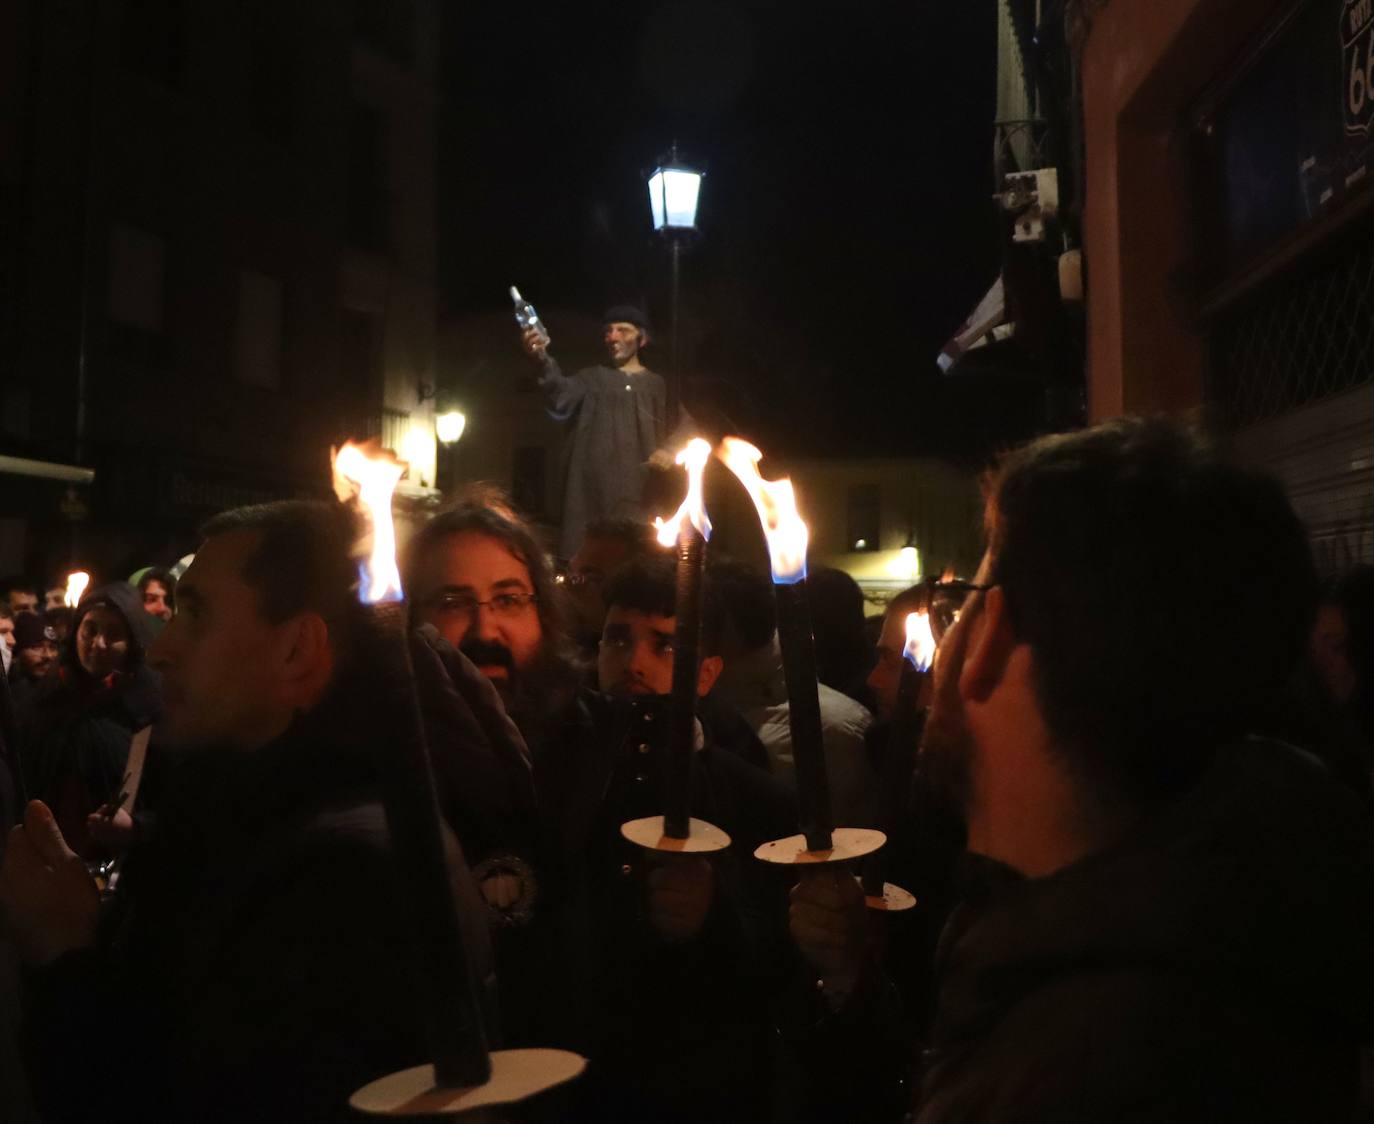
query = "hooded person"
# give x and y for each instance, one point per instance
(90, 706)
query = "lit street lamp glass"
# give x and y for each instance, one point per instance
(673, 194)
(450, 426)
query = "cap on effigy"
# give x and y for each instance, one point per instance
(626, 314)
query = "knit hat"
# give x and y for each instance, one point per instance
(626, 314)
(31, 630)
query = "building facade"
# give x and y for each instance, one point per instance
(1228, 237)
(218, 261)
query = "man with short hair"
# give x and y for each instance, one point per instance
(1180, 928)
(620, 425)
(885, 678)
(753, 684)
(21, 595)
(607, 545)
(258, 963)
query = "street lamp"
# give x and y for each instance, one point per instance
(674, 190)
(449, 426)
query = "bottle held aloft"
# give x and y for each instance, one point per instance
(526, 317)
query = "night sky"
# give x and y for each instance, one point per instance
(846, 223)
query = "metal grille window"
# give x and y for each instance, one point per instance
(1301, 340)
(395, 429)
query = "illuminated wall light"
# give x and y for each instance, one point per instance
(905, 564)
(449, 426)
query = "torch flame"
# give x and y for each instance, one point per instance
(372, 475)
(693, 457)
(920, 640)
(76, 586)
(776, 502)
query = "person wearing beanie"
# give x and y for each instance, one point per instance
(620, 428)
(76, 745)
(35, 649)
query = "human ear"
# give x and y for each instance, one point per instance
(989, 648)
(711, 668)
(308, 658)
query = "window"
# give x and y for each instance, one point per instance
(258, 346)
(865, 524)
(395, 430)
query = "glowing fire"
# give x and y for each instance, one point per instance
(776, 502)
(76, 587)
(371, 474)
(920, 640)
(693, 457)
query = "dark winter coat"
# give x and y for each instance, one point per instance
(76, 747)
(674, 1031)
(482, 770)
(1215, 965)
(257, 963)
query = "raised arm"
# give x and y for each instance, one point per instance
(562, 394)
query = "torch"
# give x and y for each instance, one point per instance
(688, 531)
(464, 1074)
(76, 588)
(908, 720)
(787, 536)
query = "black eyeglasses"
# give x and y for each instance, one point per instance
(575, 580)
(947, 601)
(463, 606)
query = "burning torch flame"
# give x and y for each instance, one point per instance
(76, 586)
(372, 476)
(783, 528)
(920, 640)
(693, 457)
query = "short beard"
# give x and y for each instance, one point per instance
(536, 694)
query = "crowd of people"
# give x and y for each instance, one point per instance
(1138, 826)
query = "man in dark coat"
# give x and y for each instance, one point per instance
(656, 970)
(88, 710)
(1173, 922)
(257, 963)
(618, 412)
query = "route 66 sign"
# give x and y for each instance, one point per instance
(1357, 43)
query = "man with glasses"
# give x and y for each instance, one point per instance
(478, 575)
(1187, 905)
(607, 545)
(614, 938)
(1179, 930)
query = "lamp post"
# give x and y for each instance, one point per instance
(448, 427)
(674, 190)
